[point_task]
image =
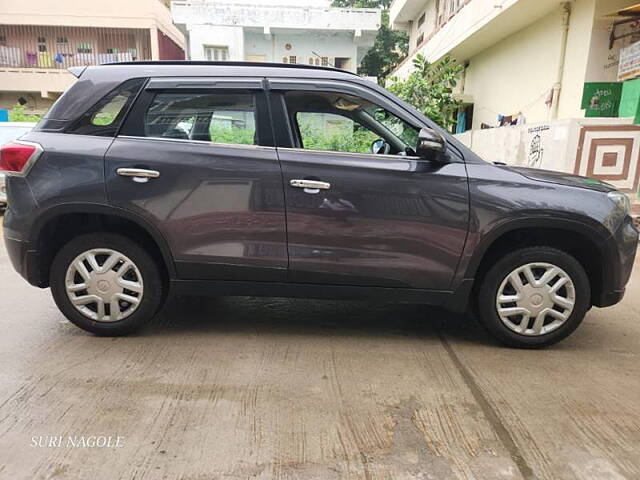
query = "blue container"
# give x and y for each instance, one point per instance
(4, 115)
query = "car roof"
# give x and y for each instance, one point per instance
(254, 68)
(94, 82)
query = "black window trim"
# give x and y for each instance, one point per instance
(106, 98)
(288, 137)
(382, 98)
(133, 124)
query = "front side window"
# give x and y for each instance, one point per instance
(338, 122)
(219, 117)
(105, 117)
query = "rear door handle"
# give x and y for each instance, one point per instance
(310, 186)
(140, 175)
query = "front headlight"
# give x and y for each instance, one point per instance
(621, 200)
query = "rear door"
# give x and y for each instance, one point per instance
(196, 157)
(360, 218)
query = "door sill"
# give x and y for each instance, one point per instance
(453, 300)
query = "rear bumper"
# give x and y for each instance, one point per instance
(23, 259)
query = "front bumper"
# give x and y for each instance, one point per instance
(623, 245)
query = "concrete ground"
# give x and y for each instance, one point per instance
(275, 388)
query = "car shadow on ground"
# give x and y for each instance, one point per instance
(202, 315)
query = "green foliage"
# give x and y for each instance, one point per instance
(352, 138)
(429, 88)
(107, 114)
(235, 135)
(389, 46)
(18, 114)
(384, 4)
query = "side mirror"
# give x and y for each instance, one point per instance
(431, 145)
(380, 146)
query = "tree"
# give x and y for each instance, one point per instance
(389, 46)
(429, 88)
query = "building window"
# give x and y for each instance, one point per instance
(447, 9)
(343, 63)
(84, 48)
(421, 20)
(420, 40)
(285, 60)
(293, 59)
(216, 54)
(62, 41)
(325, 61)
(42, 44)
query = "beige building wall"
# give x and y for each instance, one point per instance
(577, 58)
(91, 13)
(125, 23)
(515, 74)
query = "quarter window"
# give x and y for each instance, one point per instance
(105, 117)
(220, 117)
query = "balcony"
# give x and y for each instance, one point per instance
(267, 16)
(470, 28)
(26, 46)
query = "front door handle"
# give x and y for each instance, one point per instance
(140, 175)
(310, 186)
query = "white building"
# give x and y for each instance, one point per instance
(536, 57)
(532, 56)
(266, 33)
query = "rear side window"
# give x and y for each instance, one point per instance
(219, 117)
(105, 117)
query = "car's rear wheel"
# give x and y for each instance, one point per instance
(534, 297)
(106, 284)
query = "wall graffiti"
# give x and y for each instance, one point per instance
(536, 142)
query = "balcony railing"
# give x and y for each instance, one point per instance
(30, 46)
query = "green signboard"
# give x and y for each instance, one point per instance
(601, 99)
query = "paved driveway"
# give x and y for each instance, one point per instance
(276, 388)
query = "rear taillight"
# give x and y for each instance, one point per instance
(17, 157)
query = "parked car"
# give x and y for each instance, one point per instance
(8, 132)
(282, 180)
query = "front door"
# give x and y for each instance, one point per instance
(356, 217)
(210, 179)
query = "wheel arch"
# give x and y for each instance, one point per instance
(46, 236)
(585, 240)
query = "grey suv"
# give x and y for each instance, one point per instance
(281, 180)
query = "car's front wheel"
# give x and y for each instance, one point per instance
(534, 297)
(106, 284)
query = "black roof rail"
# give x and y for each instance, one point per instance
(233, 64)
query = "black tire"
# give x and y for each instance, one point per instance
(152, 297)
(488, 291)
